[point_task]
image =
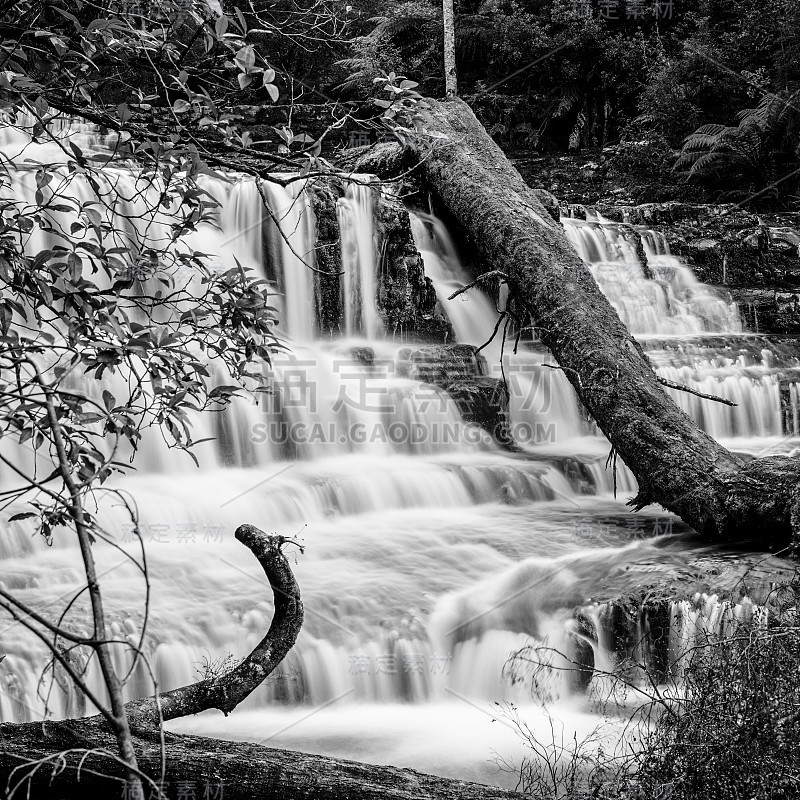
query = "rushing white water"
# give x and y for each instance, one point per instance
(692, 334)
(671, 301)
(431, 554)
(359, 260)
(472, 314)
(542, 404)
(295, 244)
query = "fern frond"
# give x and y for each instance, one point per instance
(687, 159)
(568, 100)
(707, 130)
(353, 63)
(709, 162)
(575, 135)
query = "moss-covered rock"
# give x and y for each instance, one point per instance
(484, 401)
(406, 296)
(328, 258)
(769, 310)
(441, 364)
(461, 371)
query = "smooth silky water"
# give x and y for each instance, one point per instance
(431, 554)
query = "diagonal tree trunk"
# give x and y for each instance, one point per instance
(675, 463)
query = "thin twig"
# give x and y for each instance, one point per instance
(681, 388)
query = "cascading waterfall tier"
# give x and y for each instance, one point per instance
(668, 301)
(537, 392)
(356, 214)
(692, 334)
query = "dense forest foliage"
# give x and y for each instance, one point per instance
(701, 97)
(701, 94)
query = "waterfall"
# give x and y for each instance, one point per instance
(692, 334)
(295, 246)
(671, 302)
(536, 391)
(359, 263)
(472, 314)
(431, 553)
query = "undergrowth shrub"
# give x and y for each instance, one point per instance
(724, 723)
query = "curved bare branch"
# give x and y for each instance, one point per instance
(226, 691)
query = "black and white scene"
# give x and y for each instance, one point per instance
(399, 399)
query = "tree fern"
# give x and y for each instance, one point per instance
(765, 141)
(570, 98)
(375, 51)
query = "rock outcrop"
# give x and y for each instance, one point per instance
(462, 372)
(406, 296)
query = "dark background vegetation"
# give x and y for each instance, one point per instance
(685, 99)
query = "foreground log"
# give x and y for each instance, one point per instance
(675, 463)
(200, 768)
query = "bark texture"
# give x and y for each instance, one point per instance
(675, 463)
(450, 78)
(198, 768)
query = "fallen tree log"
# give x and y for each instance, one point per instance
(203, 769)
(676, 465)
